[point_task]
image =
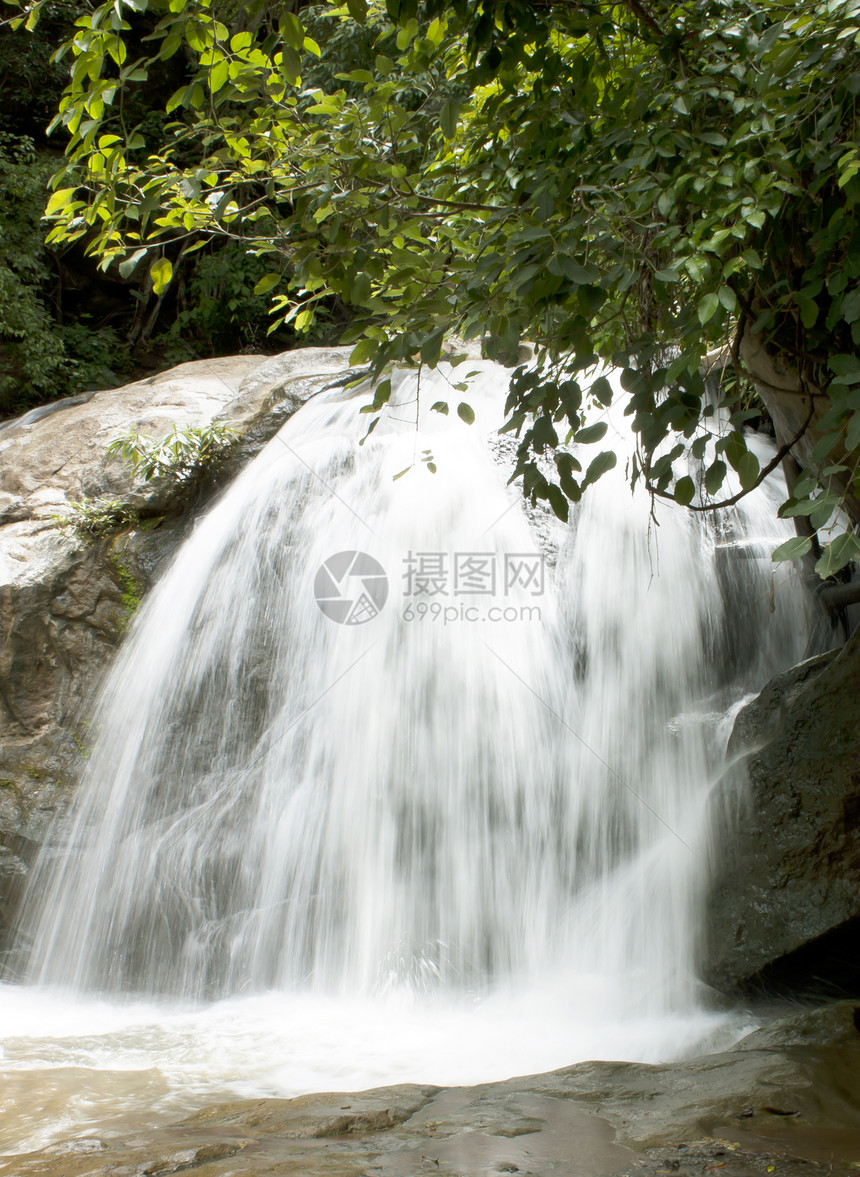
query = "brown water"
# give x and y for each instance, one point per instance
(42, 1106)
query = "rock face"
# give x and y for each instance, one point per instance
(783, 1102)
(64, 601)
(791, 870)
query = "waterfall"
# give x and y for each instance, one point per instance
(380, 728)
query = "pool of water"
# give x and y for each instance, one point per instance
(73, 1067)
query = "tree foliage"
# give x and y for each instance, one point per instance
(65, 327)
(634, 184)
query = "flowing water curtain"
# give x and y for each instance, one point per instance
(276, 799)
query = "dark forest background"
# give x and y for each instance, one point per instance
(67, 326)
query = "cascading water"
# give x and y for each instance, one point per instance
(493, 780)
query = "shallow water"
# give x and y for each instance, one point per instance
(79, 1067)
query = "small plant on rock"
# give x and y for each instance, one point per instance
(92, 518)
(180, 456)
(180, 459)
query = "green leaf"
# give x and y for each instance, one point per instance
(582, 274)
(291, 63)
(798, 545)
(804, 486)
(748, 470)
(466, 413)
(381, 395)
(267, 282)
(360, 289)
(601, 390)
(837, 554)
(824, 446)
(431, 348)
(558, 502)
(728, 298)
(363, 351)
(808, 313)
(544, 206)
(218, 76)
(604, 461)
(160, 273)
(852, 433)
(440, 407)
(708, 307)
(127, 267)
(850, 306)
(448, 119)
(685, 489)
(59, 200)
(735, 449)
(357, 10)
(292, 31)
(370, 429)
(846, 369)
(591, 433)
(822, 513)
(714, 477)
(799, 507)
(406, 34)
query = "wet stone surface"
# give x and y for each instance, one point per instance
(784, 1102)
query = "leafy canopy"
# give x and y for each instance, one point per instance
(635, 184)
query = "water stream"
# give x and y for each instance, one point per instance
(395, 780)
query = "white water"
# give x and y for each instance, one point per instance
(439, 847)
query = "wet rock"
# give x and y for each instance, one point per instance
(318, 1116)
(46, 463)
(772, 1105)
(790, 869)
(837, 1024)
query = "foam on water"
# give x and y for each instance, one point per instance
(73, 1066)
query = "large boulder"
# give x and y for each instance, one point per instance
(65, 601)
(789, 873)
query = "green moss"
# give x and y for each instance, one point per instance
(15, 790)
(80, 743)
(151, 523)
(132, 589)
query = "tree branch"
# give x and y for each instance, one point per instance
(763, 473)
